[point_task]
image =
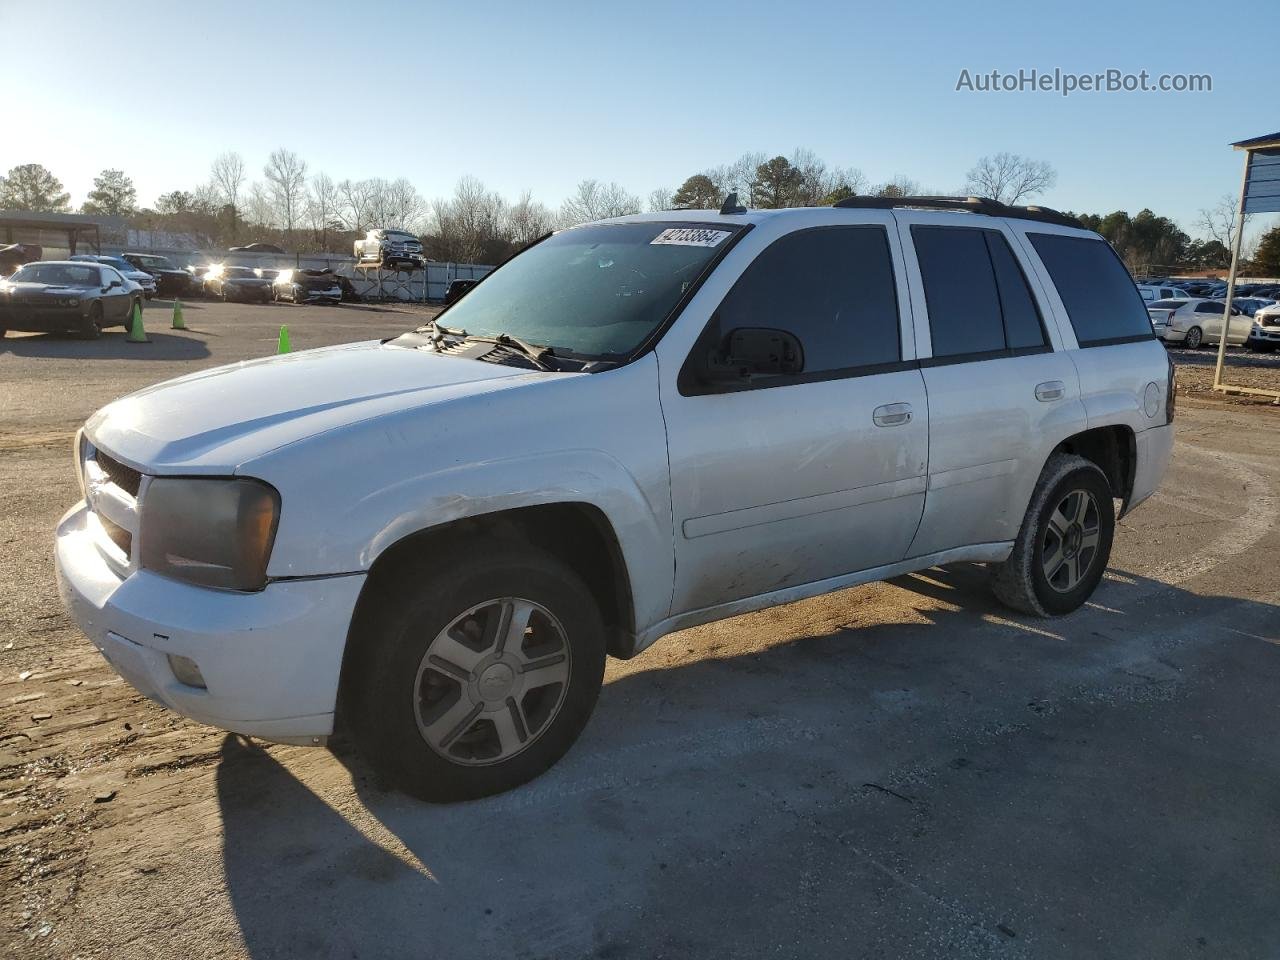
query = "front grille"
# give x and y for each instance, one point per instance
(117, 534)
(126, 478)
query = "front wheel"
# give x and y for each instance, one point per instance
(475, 675)
(92, 328)
(1194, 339)
(1063, 547)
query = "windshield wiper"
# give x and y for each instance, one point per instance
(440, 330)
(534, 352)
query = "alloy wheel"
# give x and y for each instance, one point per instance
(1071, 537)
(492, 681)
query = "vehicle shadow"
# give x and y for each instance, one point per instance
(958, 780)
(112, 345)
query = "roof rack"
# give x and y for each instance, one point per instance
(993, 208)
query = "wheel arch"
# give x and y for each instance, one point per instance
(577, 533)
(1114, 448)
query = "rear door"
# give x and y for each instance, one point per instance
(786, 480)
(998, 384)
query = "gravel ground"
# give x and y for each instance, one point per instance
(900, 770)
(1242, 368)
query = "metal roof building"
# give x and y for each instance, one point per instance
(29, 226)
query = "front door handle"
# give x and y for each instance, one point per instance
(1050, 390)
(891, 415)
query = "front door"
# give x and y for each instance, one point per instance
(784, 480)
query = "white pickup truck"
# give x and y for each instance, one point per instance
(633, 427)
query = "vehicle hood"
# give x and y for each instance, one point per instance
(212, 421)
(32, 289)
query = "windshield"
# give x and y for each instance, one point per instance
(58, 274)
(598, 290)
(160, 263)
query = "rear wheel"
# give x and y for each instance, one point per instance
(1195, 339)
(474, 675)
(1065, 542)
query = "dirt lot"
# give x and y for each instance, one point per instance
(903, 769)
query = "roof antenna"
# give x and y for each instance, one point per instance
(730, 204)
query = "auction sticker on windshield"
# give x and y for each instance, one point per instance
(691, 236)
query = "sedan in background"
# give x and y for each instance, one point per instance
(59, 296)
(237, 283)
(143, 279)
(258, 247)
(170, 281)
(308, 286)
(1193, 323)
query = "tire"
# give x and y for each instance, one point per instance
(1194, 339)
(92, 329)
(446, 720)
(1030, 581)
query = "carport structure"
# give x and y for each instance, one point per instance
(1259, 193)
(76, 227)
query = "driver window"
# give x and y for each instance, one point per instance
(833, 287)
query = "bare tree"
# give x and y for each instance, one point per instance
(661, 199)
(1219, 221)
(900, 186)
(593, 200)
(402, 206)
(226, 176)
(355, 197)
(286, 175)
(1010, 178)
(527, 220)
(322, 207)
(737, 177)
(258, 207)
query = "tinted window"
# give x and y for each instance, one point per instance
(1096, 289)
(1217, 308)
(1167, 304)
(832, 287)
(1022, 327)
(960, 290)
(977, 296)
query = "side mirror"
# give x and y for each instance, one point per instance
(115, 283)
(755, 351)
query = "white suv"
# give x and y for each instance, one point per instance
(631, 428)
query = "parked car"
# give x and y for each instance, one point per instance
(143, 279)
(1153, 293)
(389, 247)
(456, 289)
(170, 281)
(300, 286)
(1251, 305)
(1264, 336)
(67, 296)
(236, 283)
(258, 247)
(450, 531)
(1193, 323)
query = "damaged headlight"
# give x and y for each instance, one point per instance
(213, 533)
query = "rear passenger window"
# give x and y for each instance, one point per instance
(978, 299)
(1101, 300)
(833, 287)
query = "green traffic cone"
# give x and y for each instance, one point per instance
(283, 345)
(178, 323)
(136, 333)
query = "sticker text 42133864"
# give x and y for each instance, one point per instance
(691, 236)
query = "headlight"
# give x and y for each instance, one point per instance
(214, 533)
(80, 450)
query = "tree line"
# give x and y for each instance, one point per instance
(308, 211)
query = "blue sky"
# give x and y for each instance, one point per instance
(542, 95)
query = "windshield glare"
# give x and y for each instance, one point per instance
(58, 274)
(597, 290)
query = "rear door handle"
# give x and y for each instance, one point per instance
(891, 415)
(1050, 390)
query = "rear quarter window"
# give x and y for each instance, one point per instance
(1102, 303)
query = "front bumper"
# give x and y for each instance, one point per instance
(40, 318)
(331, 295)
(270, 660)
(1267, 335)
